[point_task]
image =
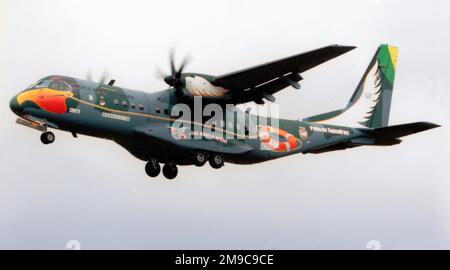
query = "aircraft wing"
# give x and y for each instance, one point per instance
(162, 133)
(255, 83)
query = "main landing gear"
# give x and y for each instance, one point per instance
(199, 158)
(216, 160)
(47, 137)
(170, 170)
(152, 168)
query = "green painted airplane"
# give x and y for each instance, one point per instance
(159, 127)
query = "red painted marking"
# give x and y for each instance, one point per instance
(53, 103)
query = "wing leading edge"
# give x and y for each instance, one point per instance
(264, 80)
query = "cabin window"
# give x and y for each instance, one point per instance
(141, 107)
(116, 102)
(91, 97)
(166, 111)
(133, 106)
(124, 103)
(238, 126)
(157, 110)
(222, 123)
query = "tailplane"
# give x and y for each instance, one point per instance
(383, 136)
(370, 104)
(397, 131)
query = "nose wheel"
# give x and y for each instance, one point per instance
(47, 137)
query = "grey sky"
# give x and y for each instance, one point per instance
(95, 192)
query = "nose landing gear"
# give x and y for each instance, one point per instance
(47, 137)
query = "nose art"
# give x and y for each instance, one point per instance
(14, 105)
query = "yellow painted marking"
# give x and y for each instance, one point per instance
(34, 94)
(393, 51)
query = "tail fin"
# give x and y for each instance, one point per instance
(370, 103)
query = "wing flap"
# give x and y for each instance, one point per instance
(267, 90)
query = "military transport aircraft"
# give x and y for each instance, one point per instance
(148, 124)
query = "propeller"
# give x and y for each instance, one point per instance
(174, 79)
(105, 75)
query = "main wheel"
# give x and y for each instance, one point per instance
(152, 168)
(199, 158)
(47, 137)
(216, 161)
(170, 170)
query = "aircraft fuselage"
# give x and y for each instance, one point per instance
(115, 113)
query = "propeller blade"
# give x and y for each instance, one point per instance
(174, 79)
(172, 62)
(88, 75)
(104, 77)
(159, 73)
(186, 61)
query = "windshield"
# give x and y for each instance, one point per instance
(53, 84)
(60, 85)
(40, 84)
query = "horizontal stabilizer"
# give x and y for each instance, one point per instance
(378, 137)
(402, 130)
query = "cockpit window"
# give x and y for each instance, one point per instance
(56, 85)
(63, 86)
(60, 85)
(40, 84)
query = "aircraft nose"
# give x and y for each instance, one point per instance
(14, 105)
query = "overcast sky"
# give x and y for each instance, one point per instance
(95, 192)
